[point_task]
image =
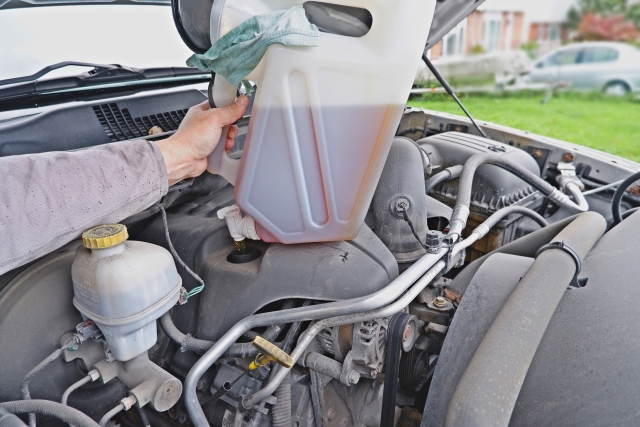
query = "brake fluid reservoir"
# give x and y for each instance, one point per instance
(123, 286)
(323, 119)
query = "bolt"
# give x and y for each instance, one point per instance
(537, 153)
(402, 204)
(331, 414)
(200, 385)
(635, 190)
(440, 302)
(568, 157)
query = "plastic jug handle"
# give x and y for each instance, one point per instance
(219, 162)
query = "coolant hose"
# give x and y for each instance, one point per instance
(442, 176)
(201, 346)
(281, 411)
(617, 197)
(461, 210)
(51, 409)
(489, 387)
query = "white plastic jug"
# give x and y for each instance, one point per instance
(323, 119)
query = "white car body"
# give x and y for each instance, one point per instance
(600, 66)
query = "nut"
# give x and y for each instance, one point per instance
(537, 153)
(407, 333)
(568, 157)
(635, 190)
(440, 302)
(155, 130)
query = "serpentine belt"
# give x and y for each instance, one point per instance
(397, 325)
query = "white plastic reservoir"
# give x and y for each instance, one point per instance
(323, 119)
(123, 286)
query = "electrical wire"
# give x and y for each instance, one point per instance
(450, 91)
(197, 278)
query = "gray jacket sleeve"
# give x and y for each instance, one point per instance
(49, 199)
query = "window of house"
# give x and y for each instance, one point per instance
(492, 35)
(554, 32)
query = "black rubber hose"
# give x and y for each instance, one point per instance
(442, 176)
(525, 246)
(617, 197)
(281, 411)
(201, 346)
(489, 388)
(51, 409)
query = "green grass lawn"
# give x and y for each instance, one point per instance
(604, 123)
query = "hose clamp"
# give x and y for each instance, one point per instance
(568, 249)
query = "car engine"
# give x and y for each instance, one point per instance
(481, 279)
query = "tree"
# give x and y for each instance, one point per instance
(606, 8)
(613, 28)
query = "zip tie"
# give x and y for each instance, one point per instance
(184, 294)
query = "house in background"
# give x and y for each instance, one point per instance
(505, 25)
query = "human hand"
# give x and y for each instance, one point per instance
(185, 152)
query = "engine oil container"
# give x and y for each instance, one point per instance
(323, 119)
(123, 286)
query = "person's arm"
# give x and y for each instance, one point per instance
(49, 199)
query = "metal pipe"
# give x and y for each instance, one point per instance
(112, 413)
(91, 376)
(310, 334)
(482, 230)
(321, 311)
(603, 188)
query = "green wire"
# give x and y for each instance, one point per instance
(195, 290)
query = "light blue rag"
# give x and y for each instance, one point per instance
(238, 52)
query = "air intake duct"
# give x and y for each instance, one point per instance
(401, 186)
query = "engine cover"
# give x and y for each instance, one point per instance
(319, 271)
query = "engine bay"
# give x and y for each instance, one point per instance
(488, 273)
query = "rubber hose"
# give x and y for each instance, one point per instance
(201, 346)
(7, 419)
(463, 199)
(281, 411)
(51, 409)
(617, 197)
(442, 176)
(525, 246)
(143, 417)
(504, 355)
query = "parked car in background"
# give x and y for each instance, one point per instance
(613, 68)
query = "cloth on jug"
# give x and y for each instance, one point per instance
(239, 51)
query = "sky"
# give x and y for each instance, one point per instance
(138, 36)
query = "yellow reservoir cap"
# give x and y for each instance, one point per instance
(104, 236)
